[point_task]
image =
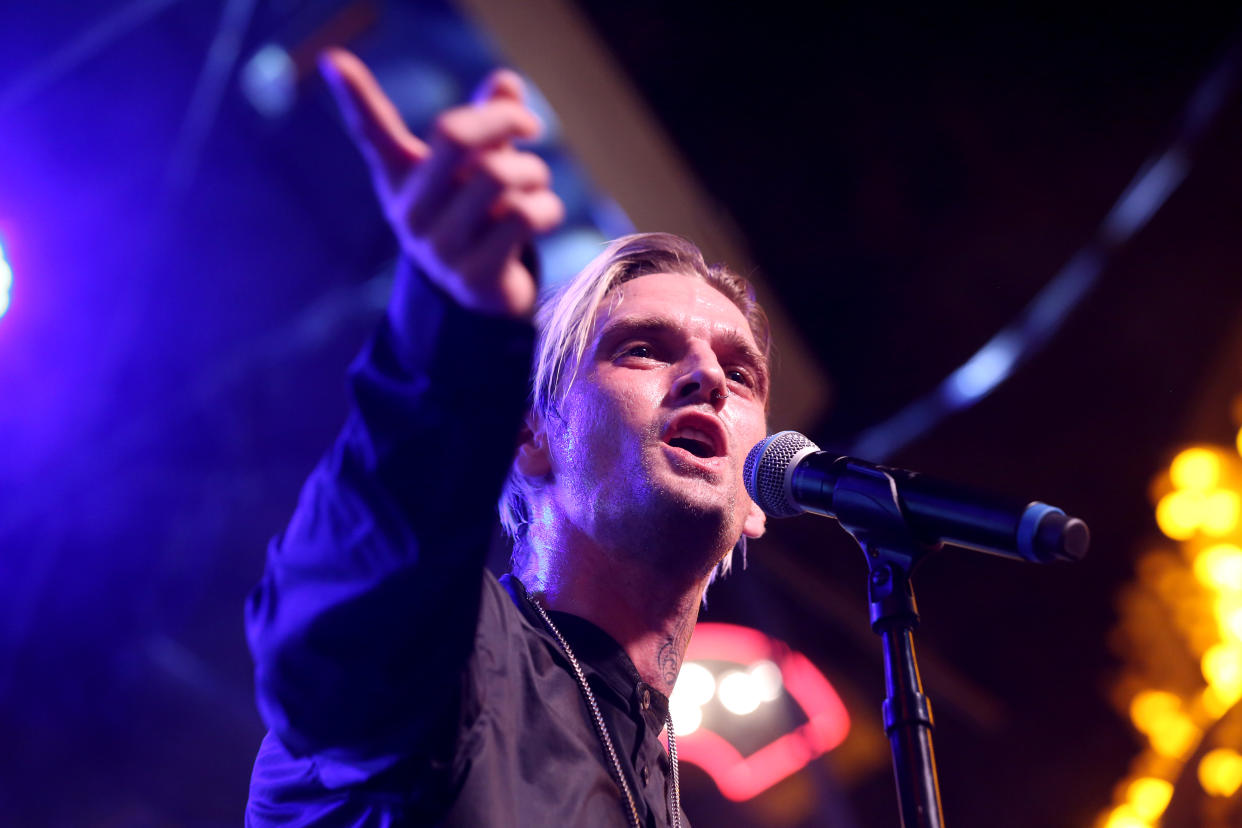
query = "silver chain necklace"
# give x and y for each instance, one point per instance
(674, 794)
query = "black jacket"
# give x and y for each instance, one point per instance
(404, 685)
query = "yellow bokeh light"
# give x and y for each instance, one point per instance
(1220, 567)
(1231, 623)
(1179, 513)
(1227, 612)
(1238, 441)
(1123, 816)
(1149, 797)
(1220, 513)
(1159, 715)
(1222, 667)
(1148, 706)
(1195, 469)
(1214, 704)
(1220, 772)
(1173, 736)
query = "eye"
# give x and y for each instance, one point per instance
(740, 376)
(638, 351)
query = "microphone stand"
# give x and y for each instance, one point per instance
(892, 553)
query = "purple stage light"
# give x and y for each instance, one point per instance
(6, 280)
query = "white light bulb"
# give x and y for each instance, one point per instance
(738, 693)
(695, 683)
(766, 678)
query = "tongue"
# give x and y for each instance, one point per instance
(695, 447)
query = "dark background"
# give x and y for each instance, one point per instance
(906, 180)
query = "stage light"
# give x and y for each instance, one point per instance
(985, 370)
(1220, 513)
(1196, 469)
(1219, 567)
(738, 693)
(1149, 797)
(695, 683)
(1222, 667)
(269, 81)
(1220, 772)
(1179, 513)
(6, 280)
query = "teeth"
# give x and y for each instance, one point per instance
(694, 434)
(704, 445)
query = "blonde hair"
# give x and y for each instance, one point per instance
(566, 319)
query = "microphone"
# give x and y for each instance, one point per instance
(787, 474)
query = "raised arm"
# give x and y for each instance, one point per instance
(366, 611)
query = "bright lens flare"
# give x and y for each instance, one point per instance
(1220, 772)
(1149, 797)
(1195, 469)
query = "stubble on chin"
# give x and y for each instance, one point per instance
(686, 524)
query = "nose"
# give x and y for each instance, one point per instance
(702, 379)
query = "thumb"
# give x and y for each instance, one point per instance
(373, 122)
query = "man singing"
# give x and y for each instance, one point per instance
(402, 683)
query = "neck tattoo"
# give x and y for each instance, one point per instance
(668, 658)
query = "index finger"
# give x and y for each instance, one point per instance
(373, 122)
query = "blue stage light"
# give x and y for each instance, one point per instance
(269, 80)
(6, 280)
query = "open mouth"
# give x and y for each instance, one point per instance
(699, 448)
(697, 435)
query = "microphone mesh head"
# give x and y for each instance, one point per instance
(766, 468)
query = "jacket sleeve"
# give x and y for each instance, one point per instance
(365, 616)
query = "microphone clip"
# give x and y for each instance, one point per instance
(868, 505)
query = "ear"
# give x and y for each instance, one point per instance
(756, 522)
(533, 459)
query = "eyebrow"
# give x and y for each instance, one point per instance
(732, 338)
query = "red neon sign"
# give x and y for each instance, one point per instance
(742, 777)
